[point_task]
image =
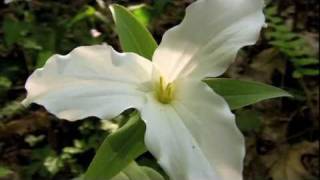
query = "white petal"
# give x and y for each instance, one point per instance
(196, 137)
(89, 81)
(207, 40)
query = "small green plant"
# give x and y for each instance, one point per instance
(11, 109)
(4, 172)
(290, 44)
(47, 162)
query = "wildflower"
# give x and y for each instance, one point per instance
(189, 128)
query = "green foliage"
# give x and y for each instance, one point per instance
(11, 109)
(118, 150)
(291, 45)
(39, 40)
(88, 12)
(134, 37)
(147, 14)
(47, 162)
(239, 93)
(37, 167)
(42, 57)
(134, 171)
(55, 162)
(5, 85)
(13, 30)
(159, 6)
(152, 174)
(4, 172)
(248, 120)
(142, 13)
(32, 140)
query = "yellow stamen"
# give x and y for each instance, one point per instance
(164, 91)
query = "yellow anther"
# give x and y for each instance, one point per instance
(164, 91)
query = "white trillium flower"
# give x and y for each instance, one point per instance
(189, 128)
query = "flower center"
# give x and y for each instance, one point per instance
(164, 91)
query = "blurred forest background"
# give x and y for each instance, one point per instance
(282, 135)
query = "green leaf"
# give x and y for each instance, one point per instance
(305, 72)
(11, 108)
(282, 36)
(30, 44)
(159, 6)
(42, 58)
(153, 175)
(275, 20)
(142, 13)
(118, 150)
(271, 11)
(135, 172)
(239, 93)
(306, 61)
(53, 164)
(134, 37)
(88, 12)
(4, 172)
(248, 120)
(5, 85)
(13, 30)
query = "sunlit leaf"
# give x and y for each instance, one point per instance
(306, 61)
(4, 171)
(153, 175)
(88, 12)
(299, 73)
(239, 93)
(135, 172)
(134, 37)
(118, 150)
(43, 56)
(142, 13)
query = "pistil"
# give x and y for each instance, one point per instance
(164, 91)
